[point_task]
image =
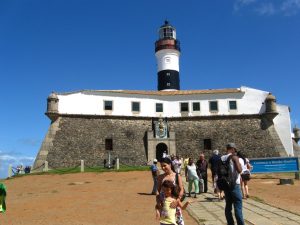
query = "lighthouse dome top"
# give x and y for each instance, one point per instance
(53, 95)
(167, 31)
(166, 24)
(271, 97)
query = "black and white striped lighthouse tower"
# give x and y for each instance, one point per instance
(167, 52)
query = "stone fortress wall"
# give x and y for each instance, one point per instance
(74, 138)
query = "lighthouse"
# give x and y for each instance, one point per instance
(167, 52)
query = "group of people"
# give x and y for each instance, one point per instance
(169, 194)
(21, 170)
(196, 175)
(169, 191)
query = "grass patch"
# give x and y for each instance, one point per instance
(60, 171)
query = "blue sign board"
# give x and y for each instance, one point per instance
(275, 165)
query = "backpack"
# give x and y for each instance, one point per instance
(226, 179)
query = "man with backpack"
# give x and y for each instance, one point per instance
(229, 170)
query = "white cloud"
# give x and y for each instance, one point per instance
(290, 7)
(242, 3)
(15, 159)
(268, 7)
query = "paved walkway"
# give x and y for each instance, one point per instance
(208, 210)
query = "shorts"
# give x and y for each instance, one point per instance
(245, 176)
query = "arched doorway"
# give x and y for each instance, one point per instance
(161, 150)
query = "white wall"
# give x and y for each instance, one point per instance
(253, 101)
(167, 59)
(282, 124)
(249, 101)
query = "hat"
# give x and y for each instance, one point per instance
(155, 160)
(231, 145)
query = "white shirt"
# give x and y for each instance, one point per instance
(244, 165)
(177, 165)
(192, 172)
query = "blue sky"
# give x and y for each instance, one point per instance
(54, 45)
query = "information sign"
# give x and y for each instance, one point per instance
(275, 165)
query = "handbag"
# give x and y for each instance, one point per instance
(201, 185)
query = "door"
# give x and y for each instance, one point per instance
(161, 151)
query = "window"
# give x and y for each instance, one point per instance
(168, 84)
(232, 105)
(168, 74)
(213, 106)
(108, 105)
(184, 107)
(135, 106)
(196, 106)
(159, 107)
(207, 144)
(109, 144)
(168, 32)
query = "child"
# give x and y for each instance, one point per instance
(167, 215)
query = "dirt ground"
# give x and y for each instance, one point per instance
(82, 199)
(109, 199)
(266, 188)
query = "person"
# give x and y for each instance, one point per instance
(155, 173)
(167, 214)
(213, 162)
(172, 158)
(18, 170)
(164, 154)
(192, 177)
(177, 164)
(233, 196)
(202, 166)
(185, 162)
(27, 169)
(217, 191)
(245, 176)
(2, 198)
(169, 174)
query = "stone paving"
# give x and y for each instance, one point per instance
(208, 210)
